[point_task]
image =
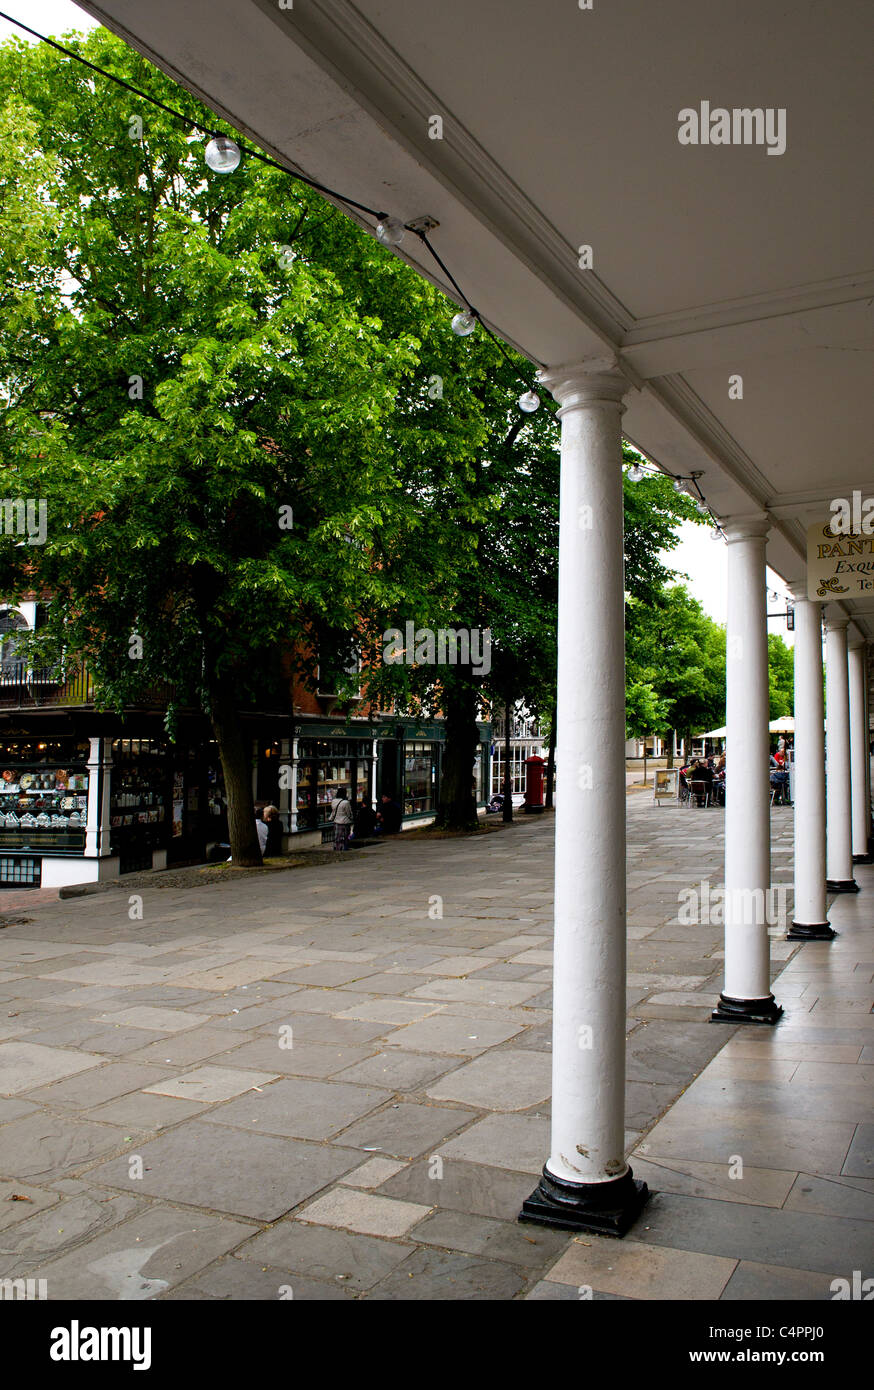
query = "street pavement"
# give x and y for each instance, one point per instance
(333, 1082)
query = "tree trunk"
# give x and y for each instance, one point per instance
(550, 761)
(236, 766)
(507, 809)
(457, 810)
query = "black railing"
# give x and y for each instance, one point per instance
(24, 687)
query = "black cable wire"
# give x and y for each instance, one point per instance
(423, 237)
(266, 159)
(190, 121)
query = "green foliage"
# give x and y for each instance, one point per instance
(781, 677)
(191, 360)
(676, 649)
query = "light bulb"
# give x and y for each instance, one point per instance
(716, 534)
(222, 154)
(636, 473)
(463, 323)
(390, 231)
(529, 402)
(703, 508)
(679, 485)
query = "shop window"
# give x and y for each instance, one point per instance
(420, 778)
(12, 625)
(20, 872)
(138, 803)
(517, 768)
(326, 766)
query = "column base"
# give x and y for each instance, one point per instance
(730, 1010)
(841, 885)
(867, 858)
(607, 1208)
(806, 931)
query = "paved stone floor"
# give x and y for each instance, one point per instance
(313, 1080)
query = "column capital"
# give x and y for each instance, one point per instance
(855, 640)
(798, 590)
(752, 526)
(835, 620)
(593, 380)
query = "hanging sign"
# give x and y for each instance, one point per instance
(840, 562)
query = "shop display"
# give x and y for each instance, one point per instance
(43, 808)
(138, 806)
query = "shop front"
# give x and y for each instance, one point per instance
(45, 785)
(326, 767)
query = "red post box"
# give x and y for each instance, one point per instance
(534, 785)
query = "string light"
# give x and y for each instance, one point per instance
(223, 154)
(463, 323)
(389, 230)
(690, 485)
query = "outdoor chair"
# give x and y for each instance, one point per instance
(700, 793)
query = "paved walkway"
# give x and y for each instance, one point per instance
(335, 1081)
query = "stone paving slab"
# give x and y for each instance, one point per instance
(250, 1175)
(143, 1257)
(300, 1109)
(26, 1065)
(386, 1152)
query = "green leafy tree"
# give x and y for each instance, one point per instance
(197, 397)
(781, 677)
(679, 651)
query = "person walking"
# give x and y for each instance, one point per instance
(342, 816)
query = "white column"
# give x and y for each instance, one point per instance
(860, 798)
(747, 997)
(810, 922)
(867, 742)
(292, 816)
(586, 1181)
(839, 845)
(97, 815)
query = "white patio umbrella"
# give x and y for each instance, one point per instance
(784, 725)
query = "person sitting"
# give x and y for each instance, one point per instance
(701, 781)
(273, 843)
(389, 816)
(779, 779)
(365, 821)
(719, 783)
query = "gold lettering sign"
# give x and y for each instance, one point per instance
(839, 565)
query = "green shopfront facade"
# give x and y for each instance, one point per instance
(366, 759)
(87, 796)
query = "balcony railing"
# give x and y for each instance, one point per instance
(26, 687)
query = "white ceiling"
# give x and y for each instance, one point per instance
(560, 128)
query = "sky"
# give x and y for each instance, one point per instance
(52, 17)
(702, 558)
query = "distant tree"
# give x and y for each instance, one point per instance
(781, 677)
(680, 652)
